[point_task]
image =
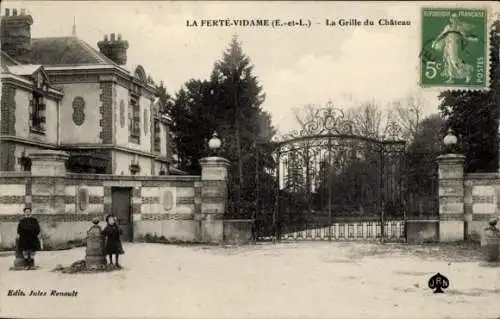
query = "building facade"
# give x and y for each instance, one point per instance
(82, 136)
(60, 93)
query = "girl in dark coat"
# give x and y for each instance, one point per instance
(112, 242)
(28, 243)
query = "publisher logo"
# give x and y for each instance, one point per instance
(438, 282)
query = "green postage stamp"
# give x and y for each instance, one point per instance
(455, 51)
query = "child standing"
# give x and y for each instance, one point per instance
(112, 242)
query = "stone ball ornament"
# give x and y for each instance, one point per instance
(450, 139)
(214, 143)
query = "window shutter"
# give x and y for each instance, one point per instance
(41, 115)
(130, 121)
(42, 112)
(31, 114)
(157, 140)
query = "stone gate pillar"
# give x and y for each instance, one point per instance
(48, 169)
(451, 197)
(214, 172)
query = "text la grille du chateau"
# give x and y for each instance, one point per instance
(279, 22)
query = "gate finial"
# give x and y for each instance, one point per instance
(214, 143)
(450, 141)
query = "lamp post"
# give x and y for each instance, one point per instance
(450, 142)
(214, 144)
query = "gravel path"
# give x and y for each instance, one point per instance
(287, 280)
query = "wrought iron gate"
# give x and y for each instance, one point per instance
(333, 182)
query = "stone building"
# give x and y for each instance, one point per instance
(60, 93)
(82, 136)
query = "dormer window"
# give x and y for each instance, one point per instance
(37, 113)
(140, 74)
(39, 81)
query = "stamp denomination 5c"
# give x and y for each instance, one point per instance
(455, 52)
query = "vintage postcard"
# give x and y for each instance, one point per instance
(250, 159)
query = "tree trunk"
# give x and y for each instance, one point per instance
(240, 164)
(238, 148)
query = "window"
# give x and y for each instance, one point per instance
(24, 162)
(37, 114)
(157, 138)
(134, 118)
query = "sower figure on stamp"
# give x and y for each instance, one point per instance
(452, 42)
(28, 242)
(112, 242)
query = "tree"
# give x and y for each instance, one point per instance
(229, 102)
(422, 156)
(193, 123)
(240, 97)
(166, 107)
(307, 118)
(367, 119)
(165, 99)
(473, 116)
(408, 113)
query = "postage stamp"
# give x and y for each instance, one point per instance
(455, 51)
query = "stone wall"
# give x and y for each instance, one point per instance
(238, 231)
(482, 193)
(177, 208)
(466, 203)
(422, 231)
(161, 205)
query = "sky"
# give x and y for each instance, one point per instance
(295, 65)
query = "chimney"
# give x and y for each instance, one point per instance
(16, 33)
(115, 48)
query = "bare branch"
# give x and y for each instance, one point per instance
(366, 119)
(408, 113)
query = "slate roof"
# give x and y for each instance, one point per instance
(63, 51)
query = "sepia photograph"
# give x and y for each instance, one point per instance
(250, 159)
